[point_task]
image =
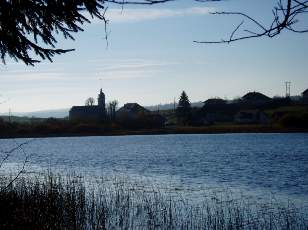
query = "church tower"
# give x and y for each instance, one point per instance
(101, 99)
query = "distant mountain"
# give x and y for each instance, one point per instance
(56, 113)
(171, 106)
(61, 113)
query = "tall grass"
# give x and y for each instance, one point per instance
(70, 203)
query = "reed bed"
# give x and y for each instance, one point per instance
(55, 202)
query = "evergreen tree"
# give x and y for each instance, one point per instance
(183, 111)
(29, 28)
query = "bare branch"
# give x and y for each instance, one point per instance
(284, 18)
(21, 171)
(243, 15)
(236, 29)
(25, 161)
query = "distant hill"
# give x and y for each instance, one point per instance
(21, 119)
(171, 106)
(61, 113)
(56, 113)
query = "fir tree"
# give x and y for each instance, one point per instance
(183, 111)
(29, 28)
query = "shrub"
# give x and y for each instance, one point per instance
(295, 120)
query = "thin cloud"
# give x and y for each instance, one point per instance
(109, 69)
(130, 69)
(32, 76)
(113, 69)
(121, 75)
(131, 66)
(137, 15)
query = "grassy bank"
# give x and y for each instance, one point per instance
(56, 203)
(214, 129)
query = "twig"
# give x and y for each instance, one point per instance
(289, 12)
(8, 154)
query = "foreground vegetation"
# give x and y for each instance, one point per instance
(71, 203)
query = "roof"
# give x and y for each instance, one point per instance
(305, 92)
(215, 101)
(90, 108)
(255, 96)
(132, 107)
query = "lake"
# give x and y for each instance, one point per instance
(258, 165)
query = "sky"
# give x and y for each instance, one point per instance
(150, 58)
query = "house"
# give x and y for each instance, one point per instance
(305, 95)
(255, 98)
(133, 115)
(131, 111)
(251, 117)
(90, 113)
(215, 101)
(218, 110)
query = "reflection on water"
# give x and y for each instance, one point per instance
(259, 164)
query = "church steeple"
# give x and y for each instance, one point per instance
(101, 99)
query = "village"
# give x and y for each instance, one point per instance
(253, 112)
(252, 108)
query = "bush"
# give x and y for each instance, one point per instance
(295, 120)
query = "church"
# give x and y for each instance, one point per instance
(91, 112)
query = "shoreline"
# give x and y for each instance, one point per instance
(166, 131)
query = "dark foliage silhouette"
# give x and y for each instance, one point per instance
(90, 101)
(183, 111)
(112, 107)
(25, 25)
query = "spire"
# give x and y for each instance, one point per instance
(101, 99)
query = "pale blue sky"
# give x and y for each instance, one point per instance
(151, 58)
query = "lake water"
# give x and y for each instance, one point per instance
(258, 165)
